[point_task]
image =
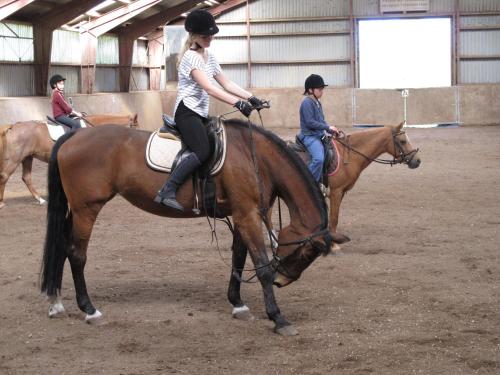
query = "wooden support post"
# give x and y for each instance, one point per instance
(42, 42)
(126, 50)
(89, 44)
(155, 58)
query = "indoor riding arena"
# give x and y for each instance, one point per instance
(416, 290)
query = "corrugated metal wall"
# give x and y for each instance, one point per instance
(479, 45)
(289, 40)
(17, 80)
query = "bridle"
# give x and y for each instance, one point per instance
(401, 156)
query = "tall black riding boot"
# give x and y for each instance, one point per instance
(186, 167)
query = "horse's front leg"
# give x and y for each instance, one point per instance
(251, 233)
(336, 196)
(240, 309)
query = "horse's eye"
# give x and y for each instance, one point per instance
(403, 142)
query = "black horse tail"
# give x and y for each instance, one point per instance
(59, 226)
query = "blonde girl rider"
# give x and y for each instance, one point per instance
(60, 107)
(197, 70)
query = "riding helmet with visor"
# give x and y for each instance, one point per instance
(201, 22)
(56, 78)
(314, 81)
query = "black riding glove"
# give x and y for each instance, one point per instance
(244, 107)
(256, 102)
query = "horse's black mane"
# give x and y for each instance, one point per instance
(296, 161)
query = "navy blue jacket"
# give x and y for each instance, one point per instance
(312, 119)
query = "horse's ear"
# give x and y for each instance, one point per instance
(135, 117)
(400, 126)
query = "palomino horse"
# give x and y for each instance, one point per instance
(24, 141)
(88, 168)
(357, 151)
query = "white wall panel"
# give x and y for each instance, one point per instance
(66, 47)
(16, 42)
(107, 49)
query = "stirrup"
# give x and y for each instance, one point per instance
(324, 190)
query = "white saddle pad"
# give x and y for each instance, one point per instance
(56, 131)
(161, 153)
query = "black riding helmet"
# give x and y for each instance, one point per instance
(56, 78)
(314, 81)
(201, 22)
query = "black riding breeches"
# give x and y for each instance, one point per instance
(193, 131)
(68, 121)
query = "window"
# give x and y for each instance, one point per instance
(405, 53)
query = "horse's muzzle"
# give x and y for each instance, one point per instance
(414, 163)
(281, 281)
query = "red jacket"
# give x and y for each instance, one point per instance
(59, 105)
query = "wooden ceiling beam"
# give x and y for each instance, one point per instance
(117, 16)
(227, 5)
(8, 7)
(149, 24)
(61, 15)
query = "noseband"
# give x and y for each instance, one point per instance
(276, 263)
(402, 156)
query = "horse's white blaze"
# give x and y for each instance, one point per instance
(239, 310)
(94, 317)
(56, 306)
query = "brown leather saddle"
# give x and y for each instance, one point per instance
(331, 157)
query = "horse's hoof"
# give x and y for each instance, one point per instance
(242, 313)
(56, 310)
(94, 318)
(41, 201)
(2, 205)
(286, 331)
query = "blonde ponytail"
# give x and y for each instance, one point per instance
(187, 45)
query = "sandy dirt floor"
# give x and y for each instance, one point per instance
(416, 291)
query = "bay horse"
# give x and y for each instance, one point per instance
(23, 141)
(88, 168)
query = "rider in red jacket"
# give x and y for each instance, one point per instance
(60, 108)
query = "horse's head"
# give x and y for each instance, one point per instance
(403, 151)
(294, 256)
(133, 123)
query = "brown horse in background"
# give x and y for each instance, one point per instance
(88, 168)
(23, 141)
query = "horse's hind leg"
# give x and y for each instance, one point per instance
(83, 222)
(240, 310)
(8, 168)
(27, 167)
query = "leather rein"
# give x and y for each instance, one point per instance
(401, 157)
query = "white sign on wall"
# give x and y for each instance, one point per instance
(404, 6)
